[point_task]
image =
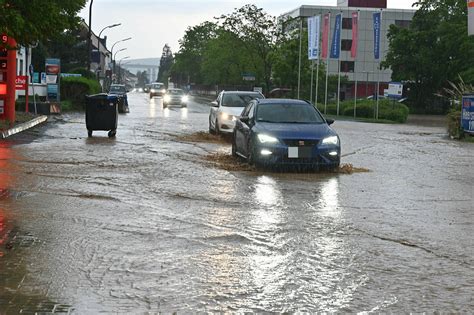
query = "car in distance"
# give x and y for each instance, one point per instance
(121, 91)
(274, 132)
(228, 106)
(175, 97)
(157, 89)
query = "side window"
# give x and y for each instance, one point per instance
(251, 110)
(247, 109)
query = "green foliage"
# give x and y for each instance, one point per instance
(166, 62)
(388, 110)
(75, 90)
(454, 124)
(84, 72)
(29, 21)
(69, 46)
(432, 51)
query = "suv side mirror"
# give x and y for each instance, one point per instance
(214, 104)
(329, 121)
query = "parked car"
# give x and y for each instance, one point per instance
(286, 132)
(175, 97)
(228, 106)
(157, 89)
(121, 91)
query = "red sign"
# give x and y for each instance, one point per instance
(4, 39)
(3, 88)
(52, 69)
(21, 82)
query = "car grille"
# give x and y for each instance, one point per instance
(300, 143)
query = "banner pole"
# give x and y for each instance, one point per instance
(299, 59)
(339, 69)
(327, 65)
(380, 63)
(317, 84)
(311, 86)
(355, 64)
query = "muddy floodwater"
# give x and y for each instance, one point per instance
(153, 221)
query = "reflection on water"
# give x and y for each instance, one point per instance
(184, 113)
(328, 199)
(166, 112)
(152, 109)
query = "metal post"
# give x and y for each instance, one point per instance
(317, 84)
(327, 66)
(339, 70)
(355, 97)
(299, 62)
(89, 38)
(311, 86)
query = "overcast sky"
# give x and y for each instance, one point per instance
(153, 23)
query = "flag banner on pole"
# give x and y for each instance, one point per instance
(355, 34)
(470, 17)
(313, 37)
(336, 39)
(327, 20)
(377, 24)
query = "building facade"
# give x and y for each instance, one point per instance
(364, 69)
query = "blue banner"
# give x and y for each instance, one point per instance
(467, 113)
(336, 39)
(377, 25)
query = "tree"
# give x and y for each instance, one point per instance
(29, 21)
(188, 61)
(258, 32)
(166, 63)
(435, 49)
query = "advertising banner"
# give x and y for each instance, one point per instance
(20, 82)
(395, 90)
(377, 25)
(325, 43)
(470, 17)
(53, 70)
(355, 34)
(336, 39)
(313, 37)
(467, 114)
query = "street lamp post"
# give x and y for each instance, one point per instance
(89, 38)
(98, 44)
(114, 57)
(120, 69)
(112, 51)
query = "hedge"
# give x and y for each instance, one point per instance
(388, 110)
(75, 89)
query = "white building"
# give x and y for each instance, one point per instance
(365, 68)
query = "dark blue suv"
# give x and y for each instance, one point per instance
(286, 132)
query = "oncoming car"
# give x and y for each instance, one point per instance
(225, 110)
(157, 89)
(286, 132)
(175, 97)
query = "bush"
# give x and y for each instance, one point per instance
(84, 72)
(454, 124)
(75, 89)
(388, 110)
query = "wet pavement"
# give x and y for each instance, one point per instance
(144, 223)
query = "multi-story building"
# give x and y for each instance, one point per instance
(364, 69)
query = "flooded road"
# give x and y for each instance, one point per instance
(144, 223)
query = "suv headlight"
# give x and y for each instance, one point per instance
(225, 116)
(184, 99)
(331, 140)
(167, 98)
(267, 139)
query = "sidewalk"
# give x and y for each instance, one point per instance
(22, 126)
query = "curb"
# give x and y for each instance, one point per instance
(24, 126)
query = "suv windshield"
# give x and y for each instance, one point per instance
(288, 113)
(239, 100)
